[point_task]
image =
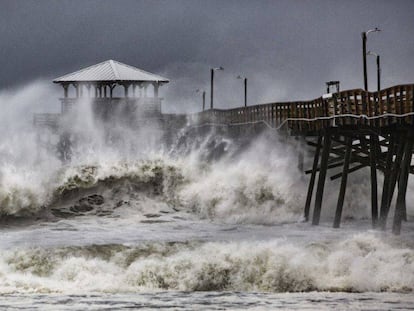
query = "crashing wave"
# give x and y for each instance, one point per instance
(71, 183)
(358, 264)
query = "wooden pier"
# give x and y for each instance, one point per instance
(353, 129)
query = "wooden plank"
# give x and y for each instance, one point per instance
(351, 170)
(329, 167)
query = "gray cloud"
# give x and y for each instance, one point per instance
(287, 49)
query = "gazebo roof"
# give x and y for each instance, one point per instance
(110, 71)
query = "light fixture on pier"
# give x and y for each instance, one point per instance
(364, 54)
(212, 85)
(245, 89)
(378, 69)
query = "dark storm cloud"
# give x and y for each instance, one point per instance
(287, 49)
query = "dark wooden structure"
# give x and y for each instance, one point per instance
(353, 129)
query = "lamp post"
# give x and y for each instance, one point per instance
(364, 54)
(245, 89)
(378, 69)
(212, 85)
(204, 97)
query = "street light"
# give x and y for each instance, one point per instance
(212, 85)
(378, 69)
(245, 89)
(364, 54)
(204, 97)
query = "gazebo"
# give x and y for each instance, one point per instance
(100, 84)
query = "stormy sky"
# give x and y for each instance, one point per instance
(286, 49)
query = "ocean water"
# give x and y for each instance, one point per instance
(205, 223)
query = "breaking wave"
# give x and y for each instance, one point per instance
(239, 187)
(357, 264)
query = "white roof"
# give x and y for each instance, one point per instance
(110, 70)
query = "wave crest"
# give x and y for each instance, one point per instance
(273, 266)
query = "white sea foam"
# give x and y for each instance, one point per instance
(360, 263)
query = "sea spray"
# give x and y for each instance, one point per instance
(259, 184)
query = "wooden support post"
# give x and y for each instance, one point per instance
(374, 190)
(385, 199)
(313, 176)
(394, 175)
(344, 180)
(322, 177)
(400, 208)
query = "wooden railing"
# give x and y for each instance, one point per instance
(350, 107)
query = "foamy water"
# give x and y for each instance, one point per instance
(206, 224)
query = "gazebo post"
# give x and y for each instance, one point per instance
(65, 90)
(156, 86)
(140, 89)
(145, 89)
(126, 87)
(112, 90)
(77, 89)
